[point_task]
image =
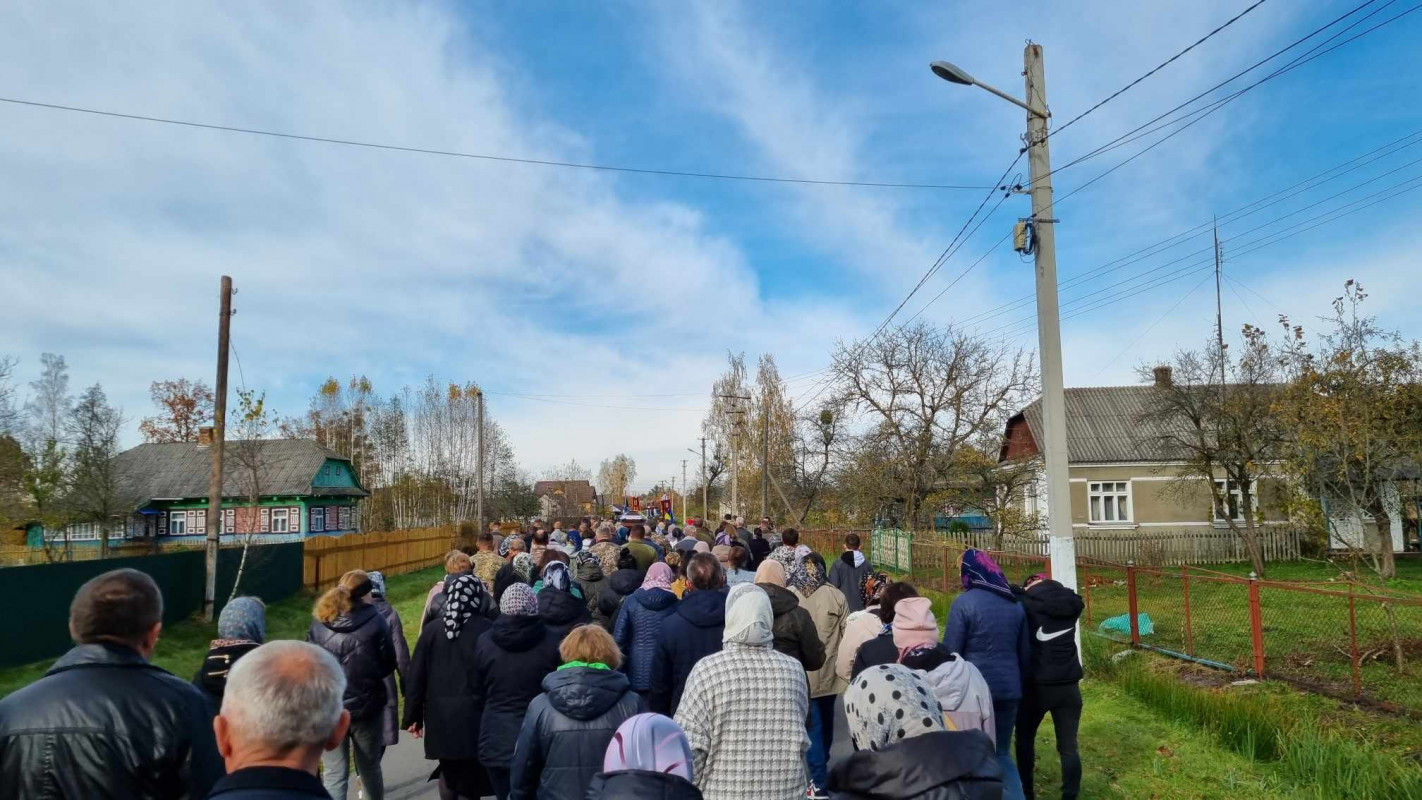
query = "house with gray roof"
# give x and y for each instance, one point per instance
(279, 488)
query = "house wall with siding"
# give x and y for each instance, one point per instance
(1158, 498)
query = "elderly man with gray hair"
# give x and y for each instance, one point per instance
(281, 711)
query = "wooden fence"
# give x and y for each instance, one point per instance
(1157, 547)
(327, 558)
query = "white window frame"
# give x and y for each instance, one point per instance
(1099, 499)
(318, 519)
(281, 521)
(178, 519)
(1238, 498)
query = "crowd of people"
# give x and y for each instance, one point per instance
(605, 661)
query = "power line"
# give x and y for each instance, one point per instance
(594, 405)
(482, 156)
(1163, 65)
(1149, 328)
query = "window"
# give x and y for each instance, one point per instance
(1233, 501)
(280, 520)
(1109, 501)
(318, 520)
(229, 520)
(178, 524)
(266, 520)
(197, 522)
(345, 517)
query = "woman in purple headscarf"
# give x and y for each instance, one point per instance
(647, 757)
(988, 627)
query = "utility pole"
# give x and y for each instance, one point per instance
(684, 486)
(764, 457)
(737, 429)
(705, 506)
(1219, 310)
(1049, 327)
(479, 493)
(219, 433)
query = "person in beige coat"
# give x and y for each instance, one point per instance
(828, 608)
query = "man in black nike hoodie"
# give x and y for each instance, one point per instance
(1051, 683)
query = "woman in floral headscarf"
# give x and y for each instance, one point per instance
(560, 604)
(647, 757)
(828, 610)
(988, 627)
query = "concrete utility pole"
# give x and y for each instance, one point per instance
(684, 487)
(479, 493)
(219, 433)
(1049, 326)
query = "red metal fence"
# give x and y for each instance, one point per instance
(1349, 640)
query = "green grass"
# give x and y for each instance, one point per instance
(183, 646)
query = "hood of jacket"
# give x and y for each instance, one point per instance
(585, 693)
(655, 599)
(625, 581)
(950, 682)
(918, 765)
(704, 609)
(358, 617)
(782, 600)
(852, 558)
(636, 784)
(517, 634)
(588, 571)
(1053, 601)
(560, 608)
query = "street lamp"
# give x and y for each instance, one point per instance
(1049, 333)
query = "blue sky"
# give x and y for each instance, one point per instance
(549, 281)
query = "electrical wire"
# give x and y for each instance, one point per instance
(482, 156)
(1149, 328)
(1158, 68)
(594, 405)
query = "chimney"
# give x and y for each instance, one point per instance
(1163, 378)
(205, 436)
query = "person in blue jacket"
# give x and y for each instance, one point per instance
(988, 627)
(639, 625)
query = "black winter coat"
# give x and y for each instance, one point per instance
(562, 611)
(794, 628)
(441, 690)
(636, 784)
(270, 783)
(510, 662)
(565, 734)
(1052, 610)
(620, 585)
(103, 722)
(944, 765)
(592, 582)
(846, 578)
(361, 641)
(879, 650)
(759, 549)
(505, 578)
(211, 677)
(690, 632)
(639, 624)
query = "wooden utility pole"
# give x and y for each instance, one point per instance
(764, 456)
(705, 506)
(1219, 310)
(219, 433)
(479, 493)
(684, 487)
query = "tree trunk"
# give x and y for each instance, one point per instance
(1382, 545)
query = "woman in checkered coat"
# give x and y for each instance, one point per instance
(747, 745)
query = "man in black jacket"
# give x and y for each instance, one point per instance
(848, 571)
(1051, 684)
(281, 710)
(103, 722)
(691, 631)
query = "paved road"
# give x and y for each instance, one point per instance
(407, 772)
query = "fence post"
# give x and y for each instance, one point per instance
(1185, 589)
(943, 561)
(1256, 624)
(316, 584)
(1131, 597)
(1086, 590)
(1353, 643)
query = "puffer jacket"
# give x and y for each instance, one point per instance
(963, 694)
(592, 582)
(794, 630)
(637, 784)
(391, 730)
(562, 611)
(59, 736)
(638, 627)
(361, 641)
(827, 609)
(991, 631)
(211, 677)
(1052, 610)
(690, 632)
(565, 734)
(620, 585)
(943, 765)
(510, 662)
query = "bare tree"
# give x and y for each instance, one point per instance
(981, 482)
(1216, 414)
(252, 460)
(818, 434)
(93, 429)
(615, 474)
(927, 392)
(49, 402)
(9, 415)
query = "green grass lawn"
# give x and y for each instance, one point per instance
(184, 645)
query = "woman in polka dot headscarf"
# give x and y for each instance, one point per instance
(905, 748)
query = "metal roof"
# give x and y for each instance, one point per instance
(180, 470)
(1104, 426)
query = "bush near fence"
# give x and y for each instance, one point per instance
(1336, 639)
(327, 558)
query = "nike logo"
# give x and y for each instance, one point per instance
(1043, 636)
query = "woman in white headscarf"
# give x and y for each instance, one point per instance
(747, 745)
